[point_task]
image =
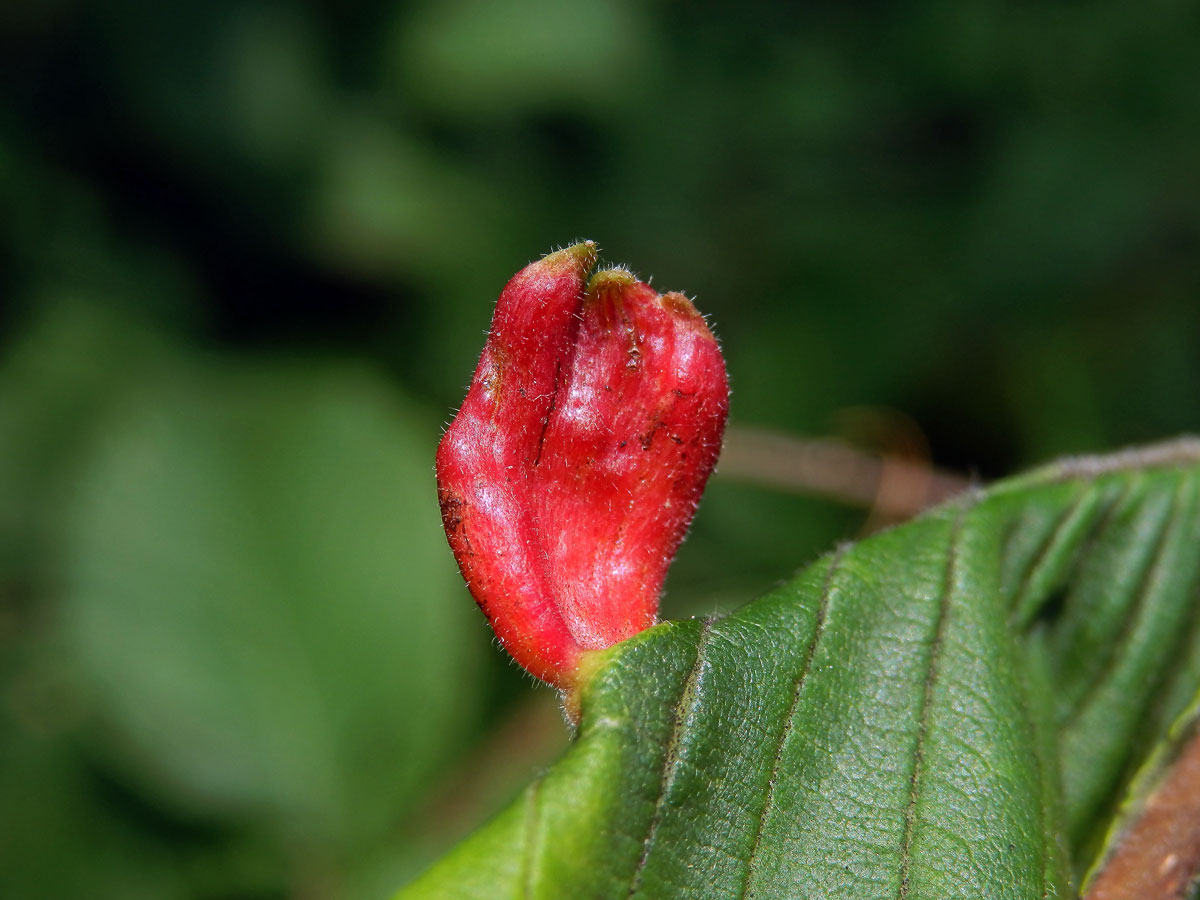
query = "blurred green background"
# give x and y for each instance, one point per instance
(247, 256)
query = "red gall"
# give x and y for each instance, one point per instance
(573, 469)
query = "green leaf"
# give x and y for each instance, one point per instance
(260, 603)
(950, 709)
(56, 379)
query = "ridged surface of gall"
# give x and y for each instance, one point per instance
(574, 466)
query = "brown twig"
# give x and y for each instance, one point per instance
(894, 487)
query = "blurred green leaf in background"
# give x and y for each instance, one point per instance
(247, 254)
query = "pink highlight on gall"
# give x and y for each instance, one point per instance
(574, 466)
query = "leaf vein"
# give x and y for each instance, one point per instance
(532, 822)
(786, 729)
(689, 694)
(932, 673)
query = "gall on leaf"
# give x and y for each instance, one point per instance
(574, 466)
